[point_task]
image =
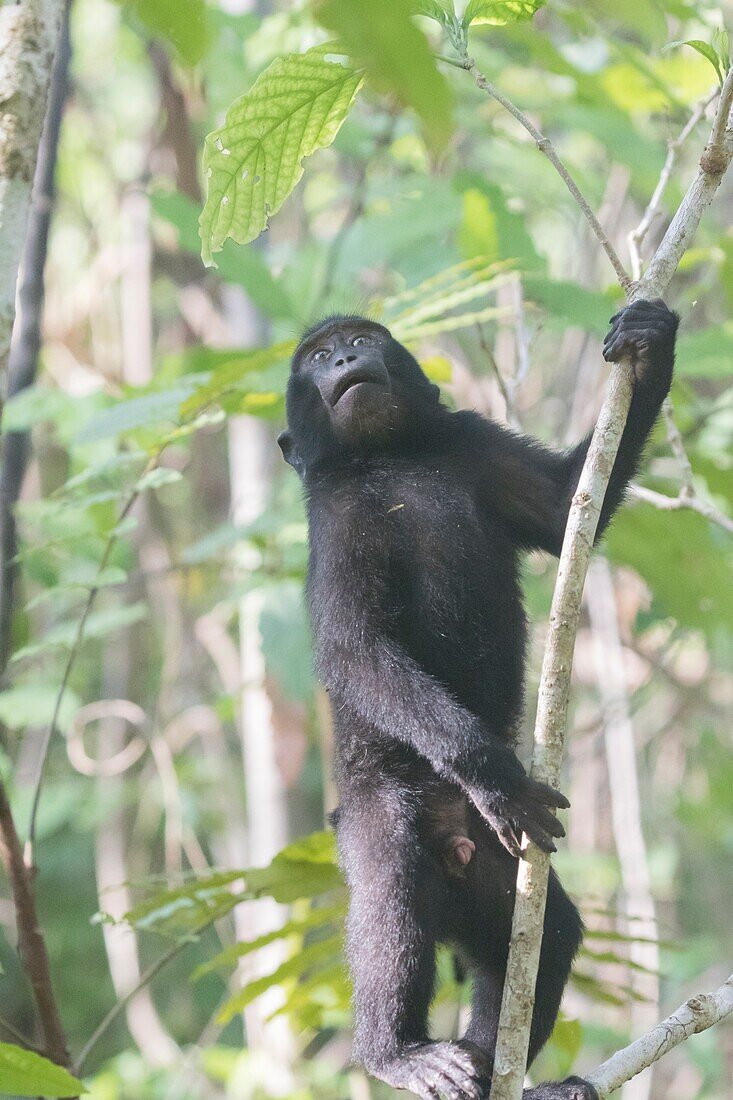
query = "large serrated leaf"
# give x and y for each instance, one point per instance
(500, 12)
(381, 36)
(254, 161)
(24, 1073)
(441, 10)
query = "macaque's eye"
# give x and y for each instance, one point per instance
(358, 341)
(320, 355)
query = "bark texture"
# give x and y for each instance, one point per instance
(28, 36)
(554, 692)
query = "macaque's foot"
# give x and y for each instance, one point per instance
(457, 854)
(456, 1071)
(573, 1088)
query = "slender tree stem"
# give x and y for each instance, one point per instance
(694, 1016)
(521, 975)
(19, 1038)
(636, 237)
(545, 146)
(30, 938)
(683, 501)
(71, 661)
(120, 1005)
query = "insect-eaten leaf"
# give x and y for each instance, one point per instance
(382, 38)
(253, 162)
(501, 12)
(442, 11)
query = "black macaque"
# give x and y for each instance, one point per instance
(418, 517)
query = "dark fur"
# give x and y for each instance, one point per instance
(418, 517)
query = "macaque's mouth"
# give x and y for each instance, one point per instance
(352, 380)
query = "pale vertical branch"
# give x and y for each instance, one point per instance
(636, 236)
(521, 977)
(250, 448)
(26, 339)
(625, 806)
(28, 36)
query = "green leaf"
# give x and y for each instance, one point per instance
(314, 956)
(99, 624)
(304, 869)
(703, 48)
(442, 11)
(231, 955)
(237, 371)
(678, 555)
(24, 1073)
(161, 475)
(721, 45)
(254, 161)
(182, 22)
(570, 304)
(706, 353)
(33, 705)
(136, 412)
(500, 12)
(244, 266)
(382, 38)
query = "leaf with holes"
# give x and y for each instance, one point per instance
(382, 38)
(441, 11)
(500, 12)
(253, 161)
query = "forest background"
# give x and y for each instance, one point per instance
(151, 611)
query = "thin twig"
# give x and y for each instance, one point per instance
(119, 1006)
(531, 893)
(677, 447)
(636, 237)
(684, 501)
(19, 1038)
(73, 654)
(694, 1016)
(545, 146)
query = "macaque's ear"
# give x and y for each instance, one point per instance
(290, 452)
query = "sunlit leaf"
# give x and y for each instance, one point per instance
(161, 475)
(137, 412)
(305, 869)
(254, 161)
(441, 10)
(98, 625)
(315, 955)
(24, 1073)
(182, 22)
(245, 266)
(231, 955)
(500, 12)
(33, 705)
(703, 48)
(382, 39)
(669, 548)
(706, 353)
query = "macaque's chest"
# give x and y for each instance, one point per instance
(450, 567)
